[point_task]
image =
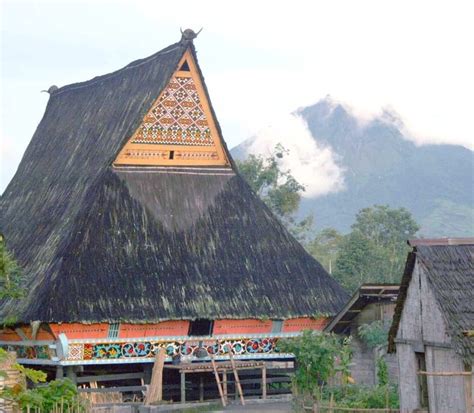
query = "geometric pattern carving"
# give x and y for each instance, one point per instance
(177, 117)
(76, 352)
(28, 352)
(149, 349)
(179, 129)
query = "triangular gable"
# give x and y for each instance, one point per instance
(179, 129)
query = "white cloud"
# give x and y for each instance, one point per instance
(312, 165)
(260, 59)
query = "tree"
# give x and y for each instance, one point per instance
(375, 250)
(10, 274)
(385, 226)
(276, 187)
(325, 247)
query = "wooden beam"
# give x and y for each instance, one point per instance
(201, 388)
(110, 377)
(264, 382)
(119, 389)
(183, 387)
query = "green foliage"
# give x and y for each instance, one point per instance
(318, 357)
(10, 275)
(57, 391)
(375, 250)
(385, 226)
(36, 376)
(277, 188)
(45, 396)
(325, 247)
(374, 334)
(382, 371)
(363, 396)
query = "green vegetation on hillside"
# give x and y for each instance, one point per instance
(374, 250)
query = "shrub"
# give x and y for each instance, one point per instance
(319, 356)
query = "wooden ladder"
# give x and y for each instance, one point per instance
(218, 381)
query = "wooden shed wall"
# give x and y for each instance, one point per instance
(364, 358)
(422, 329)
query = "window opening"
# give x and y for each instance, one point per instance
(171, 154)
(185, 67)
(200, 327)
(114, 330)
(277, 326)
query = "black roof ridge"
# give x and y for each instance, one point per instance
(107, 76)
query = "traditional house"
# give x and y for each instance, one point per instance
(433, 325)
(135, 230)
(370, 303)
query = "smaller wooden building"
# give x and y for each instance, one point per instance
(371, 302)
(432, 327)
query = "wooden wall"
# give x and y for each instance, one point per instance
(364, 358)
(422, 330)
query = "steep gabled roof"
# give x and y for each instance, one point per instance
(449, 267)
(143, 244)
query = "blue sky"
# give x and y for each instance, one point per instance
(261, 60)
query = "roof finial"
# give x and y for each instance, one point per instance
(51, 89)
(189, 35)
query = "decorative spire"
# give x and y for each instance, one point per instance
(51, 89)
(189, 35)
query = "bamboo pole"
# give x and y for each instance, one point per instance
(218, 380)
(446, 373)
(224, 384)
(236, 376)
(264, 382)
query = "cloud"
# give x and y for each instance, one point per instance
(311, 164)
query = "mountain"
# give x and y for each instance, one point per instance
(382, 166)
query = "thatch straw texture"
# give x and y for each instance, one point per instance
(99, 243)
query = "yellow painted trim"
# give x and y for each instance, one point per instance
(155, 154)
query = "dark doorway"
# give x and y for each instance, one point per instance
(200, 327)
(422, 379)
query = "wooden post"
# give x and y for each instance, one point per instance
(71, 374)
(236, 376)
(59, 372)
(218, 380)
(201, 388)
(183, 387)
(468, 392)
(224, 384)
(264, 382)
(155, 390)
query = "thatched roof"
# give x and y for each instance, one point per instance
(449, 268)
(100, 243)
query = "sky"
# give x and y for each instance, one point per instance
(261, 59)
